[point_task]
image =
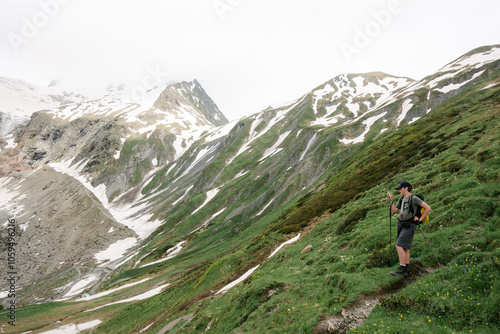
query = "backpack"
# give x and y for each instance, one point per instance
(420, 209)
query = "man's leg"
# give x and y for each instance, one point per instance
(407, 260)
(407, 255)
(403, 254)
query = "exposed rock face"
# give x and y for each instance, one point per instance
(60, 225)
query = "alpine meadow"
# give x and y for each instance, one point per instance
(158, 215)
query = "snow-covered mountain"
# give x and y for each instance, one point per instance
(138, 182)
(112, 142)
(20, 99)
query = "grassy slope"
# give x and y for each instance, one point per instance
(456, 168)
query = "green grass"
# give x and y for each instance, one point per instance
(460, 186)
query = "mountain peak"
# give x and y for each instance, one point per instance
(353, 94)
(473, 59)
(190, 94)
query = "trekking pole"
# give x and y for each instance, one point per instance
(390, 229)
(429, 245)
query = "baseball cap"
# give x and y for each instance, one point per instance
(403, 185)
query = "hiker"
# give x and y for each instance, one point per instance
(406, 224)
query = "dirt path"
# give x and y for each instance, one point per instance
(355, 314)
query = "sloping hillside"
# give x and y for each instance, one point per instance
(347, 224)
(242, 202)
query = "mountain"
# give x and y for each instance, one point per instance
(162, 207)
(20, 99)
(113, 141)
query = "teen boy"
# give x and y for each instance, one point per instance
(406, 224)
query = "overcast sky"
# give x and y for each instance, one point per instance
(247, 54)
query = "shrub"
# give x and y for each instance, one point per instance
(352, 220)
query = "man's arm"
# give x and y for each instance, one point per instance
(427, 209)
(394, 209)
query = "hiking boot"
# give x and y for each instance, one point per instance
(400, 271)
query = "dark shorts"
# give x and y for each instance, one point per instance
(406, 235)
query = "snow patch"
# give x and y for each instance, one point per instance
(171, 252)
(368, 123)
(10, 142)
(210, 195)
(491, 85)
(239, 280)
(221, 131)
(250, 271)
(327, 120)
(264, 208)
(146, 328)
(79, 287)
(274, 149)
(253, 135)
(115, 251)
(10, 198)
(180, 199)
(108, 292)
(476, 60)
(240, 174)
(452, 87)
(142, 296)
(309, 144)
(405, 108)
(74, 328)
(209, 220)
(319, 94)
(200, 156)
(291, 241)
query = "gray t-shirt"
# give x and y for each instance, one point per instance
(405, 213)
